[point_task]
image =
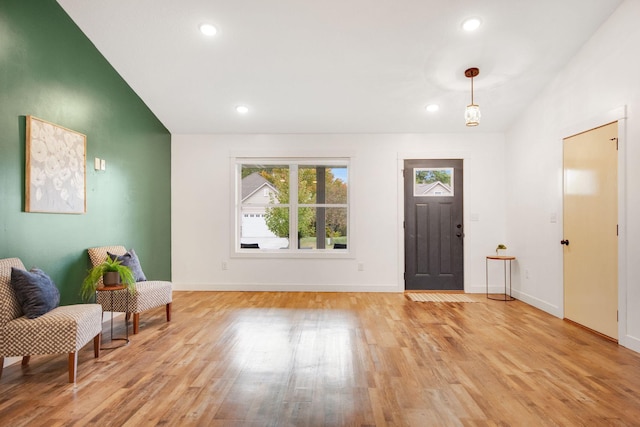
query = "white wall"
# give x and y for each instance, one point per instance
(201, 209)
(593, 89)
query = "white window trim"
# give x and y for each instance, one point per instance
(292, 162)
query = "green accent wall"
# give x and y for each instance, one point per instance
(49, 69)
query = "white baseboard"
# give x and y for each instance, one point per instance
(11, 360)
(106, 316)
(279, 287)
(552, 309)
(482, 289)
(630, 342)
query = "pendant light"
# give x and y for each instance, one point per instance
(472, 113)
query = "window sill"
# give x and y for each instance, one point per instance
(299, 254)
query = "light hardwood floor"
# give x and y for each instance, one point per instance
(335, 359)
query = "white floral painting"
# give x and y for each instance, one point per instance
(56, 168)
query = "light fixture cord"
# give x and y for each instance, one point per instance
(471, 90)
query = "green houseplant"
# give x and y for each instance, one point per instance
(110, 265)
(500, 247)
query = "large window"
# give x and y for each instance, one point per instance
(292, 206)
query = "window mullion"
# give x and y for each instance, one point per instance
(320, 211)
(293, 207)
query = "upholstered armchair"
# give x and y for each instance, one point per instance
(64, 329)
(148, 293)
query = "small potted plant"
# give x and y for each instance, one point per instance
(112, 273)
(499, 248)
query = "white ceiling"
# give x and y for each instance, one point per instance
(336, 66)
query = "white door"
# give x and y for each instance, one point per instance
(591, 229)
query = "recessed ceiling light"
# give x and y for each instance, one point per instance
(432, 108)
(208, 30)
(242, 109)
(471, 24)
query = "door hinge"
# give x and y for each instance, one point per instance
(617, 316)
(403, 173)
(404, 224)
(617, 230)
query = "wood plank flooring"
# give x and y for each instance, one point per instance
(334, 359)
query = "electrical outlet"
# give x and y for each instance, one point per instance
(360, 266)
(225, 266)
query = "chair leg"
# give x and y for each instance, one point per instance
(73, 366)
(136, 323)
(169, 312)
(1, 365)
(25, 360)
(96, 345)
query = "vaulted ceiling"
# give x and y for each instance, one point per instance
(336, 66)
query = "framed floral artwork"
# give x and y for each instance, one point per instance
(55, 168)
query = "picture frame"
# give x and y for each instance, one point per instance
(433, 182)
(55, 174)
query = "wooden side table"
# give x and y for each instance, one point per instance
(112, 289)
(504, 259)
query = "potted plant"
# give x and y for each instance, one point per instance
(500, 247)
(112, 273)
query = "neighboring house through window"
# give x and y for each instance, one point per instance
(257, 193)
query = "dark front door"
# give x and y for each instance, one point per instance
(433, 232)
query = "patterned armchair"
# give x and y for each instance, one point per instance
(64, 329)
(149, 294)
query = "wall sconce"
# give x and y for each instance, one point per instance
(472, 113)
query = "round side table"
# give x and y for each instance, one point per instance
(113, 289)
(504, 259)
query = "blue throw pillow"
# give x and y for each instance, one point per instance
(35, 291)
(130, 259)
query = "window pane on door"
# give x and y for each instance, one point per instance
(433, 182)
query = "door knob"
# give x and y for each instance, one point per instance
(564, 242)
